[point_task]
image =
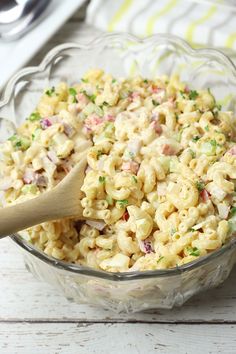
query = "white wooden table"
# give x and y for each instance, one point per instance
(34, 318)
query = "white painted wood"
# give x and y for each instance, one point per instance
(61, 338)
(24, 298)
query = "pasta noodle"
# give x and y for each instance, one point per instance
(159, 189)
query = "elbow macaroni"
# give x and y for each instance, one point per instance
(159, 189)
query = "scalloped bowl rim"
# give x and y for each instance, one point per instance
(74, 268)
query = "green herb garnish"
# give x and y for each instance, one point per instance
(193, 94)
(232, 211)
(50, 92)
(206, 128)
(113, 81)
(123, 203)
(84, 80)
(160, 259)
(213, 142)
(102, 179)
(155, 103)
(193, 251)
(134, 179)
(20, 143)
(99, 154)
(195, 138)
(193, 154)
(73, 93)
(200, 186)
(36, 133)
(92, 98)
(34, 116)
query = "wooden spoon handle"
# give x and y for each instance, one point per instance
(35, 211)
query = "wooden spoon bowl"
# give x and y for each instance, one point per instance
(62, 201)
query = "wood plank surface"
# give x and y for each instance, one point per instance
(24, 297)
(71, 338)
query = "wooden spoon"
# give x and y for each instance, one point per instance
(62, 201)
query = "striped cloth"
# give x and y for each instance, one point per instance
(200, 22)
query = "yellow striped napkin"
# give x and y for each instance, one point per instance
(200, 22)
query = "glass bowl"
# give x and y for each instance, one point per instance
(123, 55)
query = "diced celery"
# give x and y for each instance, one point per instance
(20, 143)
(29, 188)
(109, 200)
(165, 162)
(92, 108)
(208, 148)
(232, 225)
(174, 164)
(36, 134)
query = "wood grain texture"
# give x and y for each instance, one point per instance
(23, 297)
(58, 338)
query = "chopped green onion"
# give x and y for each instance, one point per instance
(20, 143)
(193, 94)
(160, 259)
(50, 92)
(232, 211)
(92, 98)
(145, 81)
(191, 230)
(206, 128)
(36, 133)
(213, 142)
(13, 137)
(193, 251)
(134, 179)
(195, 138)
(84, 80)
(155, 103)
(73, 93)
(99, 153)
(193, 154)
(34, 116)
(114, 80)
(200, 185)
(123, 203)
(102, 179)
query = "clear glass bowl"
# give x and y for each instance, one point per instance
(124, 55)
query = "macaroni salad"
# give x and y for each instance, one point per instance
(159, 188)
